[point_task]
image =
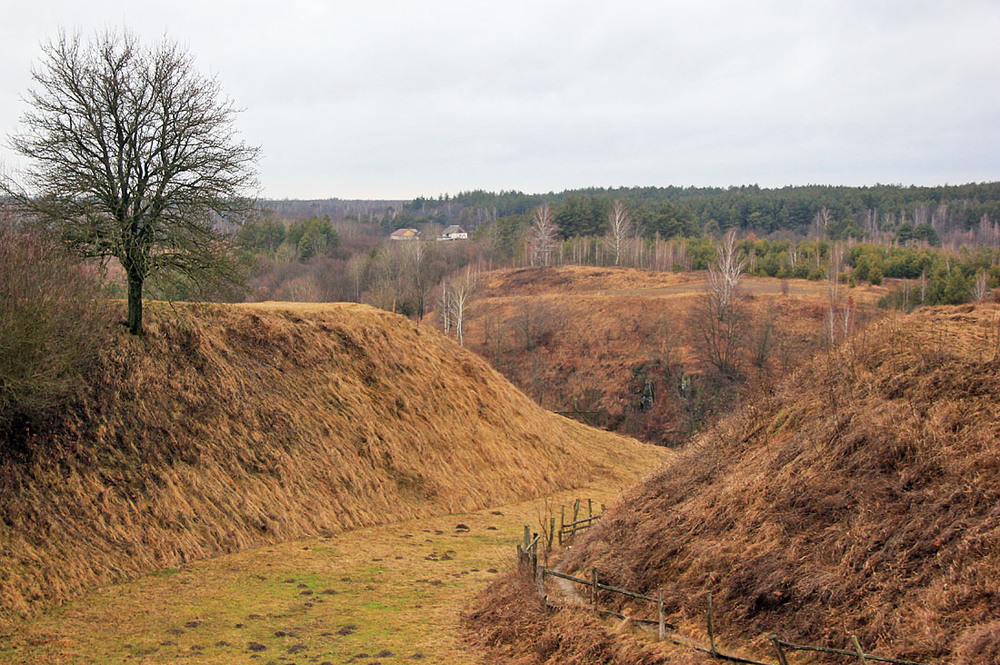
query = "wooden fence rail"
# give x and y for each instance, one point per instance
(528, 561)
(577, 523)
(781, 646)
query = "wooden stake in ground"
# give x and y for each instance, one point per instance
(593, 576)
(711, 628)
(778, 649)
(659, 605)
(857, 647)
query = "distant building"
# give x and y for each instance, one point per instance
(405, 234)
(454, 232)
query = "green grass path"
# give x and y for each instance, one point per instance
(389, 594)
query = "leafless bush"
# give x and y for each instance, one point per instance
(50, 322)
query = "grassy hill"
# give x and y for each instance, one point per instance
(227, 427)
(588, 339)
(862, 497)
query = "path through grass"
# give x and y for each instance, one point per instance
(390, 594)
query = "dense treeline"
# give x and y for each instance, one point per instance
(861, 234)
(960, 214)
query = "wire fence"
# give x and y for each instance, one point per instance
(527, 557)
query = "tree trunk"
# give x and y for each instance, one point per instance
(135, 303)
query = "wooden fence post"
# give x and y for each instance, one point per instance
(534, 556)
(527, 536)
(590, 507)
(562, 523)
(576, 514)
(777, 649)
(711, 627)
(857, 647)
(661, 633)
(593, 577)
(552, 533)
(541, 585)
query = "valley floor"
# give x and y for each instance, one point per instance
(386, 594)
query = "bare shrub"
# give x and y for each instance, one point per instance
(50, 321)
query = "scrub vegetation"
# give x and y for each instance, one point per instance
(858, 498)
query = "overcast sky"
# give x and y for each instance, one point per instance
(383, 99)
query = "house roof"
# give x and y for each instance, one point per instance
(454, 228)
(404, 233)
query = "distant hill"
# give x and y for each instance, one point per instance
(595, 341)
(228, 427)
(862, 497)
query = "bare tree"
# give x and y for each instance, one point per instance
(833, 293)
(133, 156)
(542, 236)
(981, 287)
(821, 220)
(460, 295)
(726, 272)
(619, 229)
(720, 321)
(444, 305)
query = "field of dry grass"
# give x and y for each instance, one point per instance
(232, 427)
(588, 338)
(859, 498)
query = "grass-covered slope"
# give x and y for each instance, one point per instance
(863, 497)
(592, 340)
(227, 427)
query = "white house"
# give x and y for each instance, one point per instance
(454, 232)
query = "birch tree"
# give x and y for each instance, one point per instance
(459, 294)
(542, 237)
(720, 321)
(619, 229)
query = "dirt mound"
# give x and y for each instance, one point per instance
(861, 498)
(228, 427)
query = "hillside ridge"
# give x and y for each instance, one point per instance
(229, 427)
(860, 498)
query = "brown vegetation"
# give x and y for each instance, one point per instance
(859, 498)
(592, 341)
(51, 320)
(510, 623)
(227, 427)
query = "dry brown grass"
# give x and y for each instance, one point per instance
(860, 498)
(510, 623)
(227, 427)
(592, 337)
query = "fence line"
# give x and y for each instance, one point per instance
(577, 524)
(528, 563)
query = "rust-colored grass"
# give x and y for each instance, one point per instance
(860, 498)
(588, 338)
(228, 427)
